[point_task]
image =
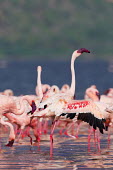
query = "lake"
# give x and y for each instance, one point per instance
(68, 153)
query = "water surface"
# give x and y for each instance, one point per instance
(68, 153)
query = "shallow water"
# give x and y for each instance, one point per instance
(68, 153)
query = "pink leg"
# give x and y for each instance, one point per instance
(66, 132)
(98, 140)
(62, 128)
(45, 129)
(16, 129)
(20, 134)
(40, 127)
(89, 138)
(109, 136)
(27, 133)
(78, 127)
(39, 132)
(61, 131)
(73, 127)
(51, 138)
(94, 137)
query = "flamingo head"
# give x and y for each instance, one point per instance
(82, 50)
(39, 68)
(33, 105)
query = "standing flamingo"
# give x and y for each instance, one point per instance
(16, 109)
(60, 98)
(25, 119)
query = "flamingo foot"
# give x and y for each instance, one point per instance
(10, 143)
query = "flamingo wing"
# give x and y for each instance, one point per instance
(86, 117)
(85, 111)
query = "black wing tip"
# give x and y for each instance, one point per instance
(92, 120)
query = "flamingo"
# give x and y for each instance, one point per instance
(60, 98)
(52, 91)
(69, 94)
(75, 111)
(16, 109)
(12, 105)
(92, 93)
(107, 98)
(44, 87)
(46, 90)
(8, 92)
(24, 119)
(64, 88)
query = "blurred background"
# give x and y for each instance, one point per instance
(46, 32)
(53, 29)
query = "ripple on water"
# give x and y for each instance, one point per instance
(67, 153)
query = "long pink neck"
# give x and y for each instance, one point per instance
(73, 83)
(39, 84)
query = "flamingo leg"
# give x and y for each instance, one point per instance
(40, 126)
(109, 136)
(94, 137)
(27, 133)
(45, 128)
(51, 137)
(98, 139)
(20, 134)
(89, 137)
(66, 133)
(77, 130)
(62, 128)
